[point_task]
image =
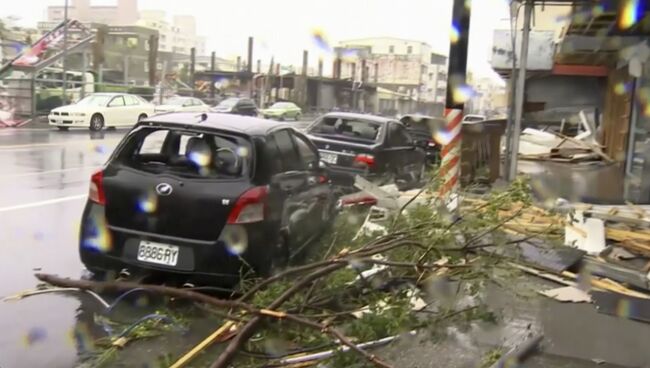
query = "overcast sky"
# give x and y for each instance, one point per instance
(283, 28)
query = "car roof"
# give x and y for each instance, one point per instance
(108, 94)
(235, 123)
(351, 115)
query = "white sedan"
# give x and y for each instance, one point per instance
(182, 104)
(101, 110)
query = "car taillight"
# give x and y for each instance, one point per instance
(431, 143)
(96, 192)
(250, 207)
(366, 159)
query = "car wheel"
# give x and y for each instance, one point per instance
(142, 117)
(63, 129)
(298, 116)
(282, 117)
(96, 122)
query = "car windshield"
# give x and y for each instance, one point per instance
(95, 100)
(176, 101)
(186, 154)
(363, 131)
(231, 102)
(281, 105)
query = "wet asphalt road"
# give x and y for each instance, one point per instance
(43, 188)
(44, 180)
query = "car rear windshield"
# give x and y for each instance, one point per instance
(357, 130)
(186, 153)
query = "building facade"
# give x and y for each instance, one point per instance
(178, 36)
(124, 13)
(403, 66)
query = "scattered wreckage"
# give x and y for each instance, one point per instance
(386, 272)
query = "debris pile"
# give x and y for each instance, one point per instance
(386, 273)
(541, 145)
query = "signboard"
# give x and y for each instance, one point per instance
(49, 47)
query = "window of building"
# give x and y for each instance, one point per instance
(430, 76)
(409, 49)
(391, 49)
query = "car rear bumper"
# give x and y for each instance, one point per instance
(118, 249)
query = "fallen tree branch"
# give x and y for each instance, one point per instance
(248, 328)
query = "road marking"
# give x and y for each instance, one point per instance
(42, 203)
(54, 144)
(48, 172)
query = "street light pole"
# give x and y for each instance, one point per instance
(519, 91)
(65, 51)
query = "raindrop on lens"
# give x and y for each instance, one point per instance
(630, 13)
(235, 239)
(148, 204)
(96, 235)
(454, 34)
(242, 151)
(34, 335)
(442, 136)
(200, 159)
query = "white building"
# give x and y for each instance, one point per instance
(404, 66)
(124, 13)
(178, 37)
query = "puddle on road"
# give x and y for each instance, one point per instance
(66, 330)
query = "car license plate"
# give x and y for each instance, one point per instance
(158, 253)
(330, 158)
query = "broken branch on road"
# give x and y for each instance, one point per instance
(367, 287)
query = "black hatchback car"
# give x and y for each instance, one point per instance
(203, 195)
(377, 148)
(238, 106)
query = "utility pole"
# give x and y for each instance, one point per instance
(213, 61)
(65, 52)
(192, 69)
(519, 92)
(451, 151)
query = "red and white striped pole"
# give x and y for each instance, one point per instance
(455, 100)
(450, 154)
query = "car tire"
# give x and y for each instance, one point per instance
(63, 129)
(282, 117)
(298, 116)
(96, 122)
(142, 117)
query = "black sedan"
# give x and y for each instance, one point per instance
(422, 128)
(377, 148)
(204, 195)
